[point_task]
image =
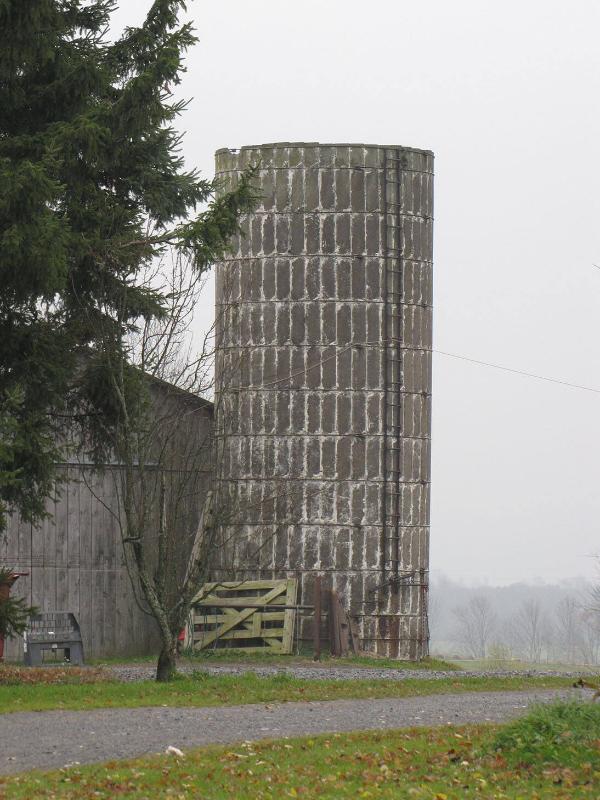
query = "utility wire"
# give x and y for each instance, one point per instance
(516, 371)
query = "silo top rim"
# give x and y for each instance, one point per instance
(273, 145)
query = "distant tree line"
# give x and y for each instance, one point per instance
(536, 629)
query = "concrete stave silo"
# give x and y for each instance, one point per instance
(323, 380)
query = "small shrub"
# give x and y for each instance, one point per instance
(565, 734)
(200, 675)
(499, 655)
(283, 678)
(14, 612)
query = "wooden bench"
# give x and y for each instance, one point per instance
(53, 630)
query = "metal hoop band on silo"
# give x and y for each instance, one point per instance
(323, 381)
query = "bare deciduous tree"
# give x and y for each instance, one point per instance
(529, 629)
(161, 438)
(589, 640)
(567, 629)
(476, 623)
(173, 508)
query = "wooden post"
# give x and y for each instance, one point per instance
(338, 627)
(317, 631)
(354, 637)
(334, 638)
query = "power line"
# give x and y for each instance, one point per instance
(516, 371)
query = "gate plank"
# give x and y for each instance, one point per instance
(232, 619)
(243, 615)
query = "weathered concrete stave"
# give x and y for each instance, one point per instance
(324, 378)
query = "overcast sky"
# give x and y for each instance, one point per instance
(506, 95)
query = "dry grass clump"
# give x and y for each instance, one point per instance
(12, 675)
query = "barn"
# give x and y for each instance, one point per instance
(75, 560)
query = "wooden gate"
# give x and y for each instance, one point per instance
(251, 615)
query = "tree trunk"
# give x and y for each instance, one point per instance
(167, 662)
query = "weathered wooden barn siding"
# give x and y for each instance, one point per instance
(75, 563)
(75, 560)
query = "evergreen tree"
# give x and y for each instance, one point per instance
(92, 188)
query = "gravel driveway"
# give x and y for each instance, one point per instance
(141, 672)
(58, 738)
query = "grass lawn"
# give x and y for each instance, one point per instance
(514, 665)
(202, 689)
(432, 764)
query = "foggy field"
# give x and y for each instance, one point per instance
(514, 665)
(516, 627)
